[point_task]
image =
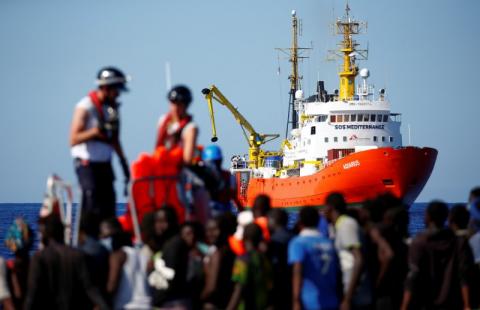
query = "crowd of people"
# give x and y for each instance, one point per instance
(334, 257)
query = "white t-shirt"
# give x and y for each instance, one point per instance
(92, 150)
(346, 238)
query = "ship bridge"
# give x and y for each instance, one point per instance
(331, 128)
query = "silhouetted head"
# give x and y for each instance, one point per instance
(261, 206)
(277, 218)
(335, 205)
(252, 234)
(51, 228)
(308, 217)
(436, 214)
(458, 217)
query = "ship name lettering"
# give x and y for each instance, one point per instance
(359, 126)
(351, 164)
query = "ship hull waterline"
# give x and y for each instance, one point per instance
(359, 176)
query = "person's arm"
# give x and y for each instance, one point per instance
(356, 272)
(407, 297)
(116, 261)
(117, 146)
(211, 275)
(466, 297)
(235, 299)
(78, 133)
(297, 285)
(189, 143)
(5, 298)
(384, 253)
(415, 254)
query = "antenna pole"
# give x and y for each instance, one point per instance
(294, 79)
(168, 76)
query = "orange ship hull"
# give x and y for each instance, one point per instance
(358, 176)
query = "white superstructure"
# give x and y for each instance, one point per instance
(344, 126)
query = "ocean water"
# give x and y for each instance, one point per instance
(29, 211)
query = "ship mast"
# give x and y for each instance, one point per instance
(294, 78)
(294, 56)
(349, 53)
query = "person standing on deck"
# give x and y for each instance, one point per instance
(177, 133)
(176, 128)
(94, 136)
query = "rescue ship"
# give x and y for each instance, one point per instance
(347, 141)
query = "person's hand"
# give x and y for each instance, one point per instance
(98, 134)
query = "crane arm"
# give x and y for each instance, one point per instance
(255, 138)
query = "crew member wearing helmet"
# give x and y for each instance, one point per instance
(176, 128)
(221, 185)
(94, 136)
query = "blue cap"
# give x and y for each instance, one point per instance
(212, 152)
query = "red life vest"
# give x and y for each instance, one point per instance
(173, 139)
(98, 105)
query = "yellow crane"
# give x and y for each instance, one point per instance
(255, 140)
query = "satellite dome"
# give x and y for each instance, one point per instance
(299, 94)
(364, 73)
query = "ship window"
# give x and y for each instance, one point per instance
(372, 117)
(312, 130)
(332, 118)
(344, 139)
(360, 118)
(365, 117)
(374, 138)
(326, 139)
(339, 118)
(385, 118)
(335, 139)
(322, 118)
(391, 139)
(354, 117)
(379, 117)
(346, 117)
(383, 139)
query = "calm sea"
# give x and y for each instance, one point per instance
(29, 211)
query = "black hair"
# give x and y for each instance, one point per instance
(52, 228)
(437, 211)
(90, 223)
(337, 201)
(279, 216)
(253, 233)
(399, 220)
(308, 217)
(171, 217)
(384, 202)
(475, 192)
(459, 216)
(261, 205)
(121, 239)
(197, 229)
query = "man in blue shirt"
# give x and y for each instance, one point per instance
(315, 266)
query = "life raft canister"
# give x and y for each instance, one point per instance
(155, 180)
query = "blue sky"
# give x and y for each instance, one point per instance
(422, 52)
